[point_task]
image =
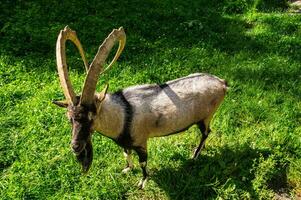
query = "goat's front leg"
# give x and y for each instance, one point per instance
(128, 157)
(142, 154)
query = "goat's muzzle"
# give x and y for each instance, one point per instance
(77, 146)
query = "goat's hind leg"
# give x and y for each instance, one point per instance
(128, 157)
(205, 130)
(142, 154)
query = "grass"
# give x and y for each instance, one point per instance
(254, 150)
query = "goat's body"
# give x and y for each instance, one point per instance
(154, 110)
(134, 114)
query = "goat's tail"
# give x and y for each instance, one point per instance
(226, 85)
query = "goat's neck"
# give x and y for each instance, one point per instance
(109, 119)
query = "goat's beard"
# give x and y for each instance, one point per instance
(86, 156)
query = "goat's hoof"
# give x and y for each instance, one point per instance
(142, 183)
(196, 154)
(126, 170)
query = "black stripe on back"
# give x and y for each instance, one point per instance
(125, 139)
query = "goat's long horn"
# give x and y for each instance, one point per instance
(67, 34)
(96, 67)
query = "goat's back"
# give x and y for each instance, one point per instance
(162, 109)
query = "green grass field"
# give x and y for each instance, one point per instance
(254, 149)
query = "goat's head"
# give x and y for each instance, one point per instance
(81, 110)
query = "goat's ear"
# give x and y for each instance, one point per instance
(63, 104)
(101, 96)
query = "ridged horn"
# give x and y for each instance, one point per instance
(96, 67)
(67, 34)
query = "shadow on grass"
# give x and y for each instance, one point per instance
(211, 176)
(271, 77)
(151, 26)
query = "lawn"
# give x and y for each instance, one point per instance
(254, 149)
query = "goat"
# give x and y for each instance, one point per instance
(133, 115)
